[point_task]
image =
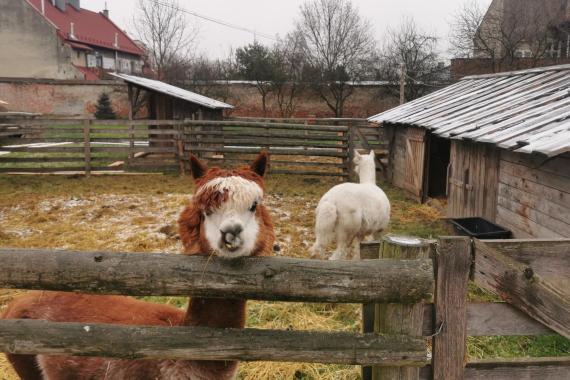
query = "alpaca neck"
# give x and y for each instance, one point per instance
(367, 175)
(214, 312)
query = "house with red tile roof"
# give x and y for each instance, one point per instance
(57, 39)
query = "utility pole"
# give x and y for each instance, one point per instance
(402, 83)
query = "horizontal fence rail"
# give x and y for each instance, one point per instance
(202, 343)
(318, 148)
(263, 278)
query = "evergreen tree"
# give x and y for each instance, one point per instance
(104, 108)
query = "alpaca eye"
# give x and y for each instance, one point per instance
(253, 207)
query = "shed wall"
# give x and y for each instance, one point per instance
(534, 197)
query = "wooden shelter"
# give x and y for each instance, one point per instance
(496, 146)
(167, 102)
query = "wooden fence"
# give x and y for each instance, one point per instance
(89, 145)
(405, 305)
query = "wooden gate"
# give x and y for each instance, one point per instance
(472, 180)
(415, 161)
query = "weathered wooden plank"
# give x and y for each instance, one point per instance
(274, 151)
(549, 258)
(368, 251)
(45, 159)
(251, 142)
(518, 284)
(202, 343)
(559, 166)
(396, 318)
(540, 218)
(267, 278)
(519, 369)
(546, 192)
(453, 263)
(491, 319)
(554, 368)
(556, 181)
(535, 201)
(272, 134)
(510, 219)
(309, 173)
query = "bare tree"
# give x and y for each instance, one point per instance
(288, 80)
(167, 35)
(518, 29)
(413, 50)
(337, 41)
(211, 77)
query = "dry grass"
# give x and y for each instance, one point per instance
(139, 214)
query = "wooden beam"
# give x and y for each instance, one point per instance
(548, 258)
(492, 319)
(203, 343)
(396, 318)
(453, 263)
(368, 251)
(519, 285)
(87, 146)
(555, 368)
(519, 369)
(264, 278)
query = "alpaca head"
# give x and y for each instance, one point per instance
(365, 166)
(226, 216)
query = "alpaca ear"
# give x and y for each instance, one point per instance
(198, 167)
(259, 166)
(357, 157)
(372, 154)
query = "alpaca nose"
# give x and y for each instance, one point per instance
(230, 236)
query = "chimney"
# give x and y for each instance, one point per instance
(116, 40)
(74, 3)
(72, 31)
(60, 4)
(105, 11)
(43, 7)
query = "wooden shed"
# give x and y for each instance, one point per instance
(496, 146)
(167, 102)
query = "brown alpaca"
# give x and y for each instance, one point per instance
(226, 218)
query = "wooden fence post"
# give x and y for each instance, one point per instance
(180, 142)
(87, 146)
(399, 318)
(453, 263)
(351, 148)
(368, 251)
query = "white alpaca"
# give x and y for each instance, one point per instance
(350, 212)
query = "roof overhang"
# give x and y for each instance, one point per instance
(175, 92)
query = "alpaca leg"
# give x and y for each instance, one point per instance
(355, 249)
(344, 240)
(26, 366)
(317, 250)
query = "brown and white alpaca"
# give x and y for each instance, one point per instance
(225, 217)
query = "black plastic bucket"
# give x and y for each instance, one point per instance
(480, 228)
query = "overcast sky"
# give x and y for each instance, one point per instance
(276, 17)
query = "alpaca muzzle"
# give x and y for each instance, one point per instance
(231, 237)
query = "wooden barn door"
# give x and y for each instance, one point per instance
(473, 179)
(415, 162)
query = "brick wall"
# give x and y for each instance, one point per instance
(65, 98)
(78, 98)
(461, 67)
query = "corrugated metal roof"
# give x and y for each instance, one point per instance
(525, 111)
(177, 92)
